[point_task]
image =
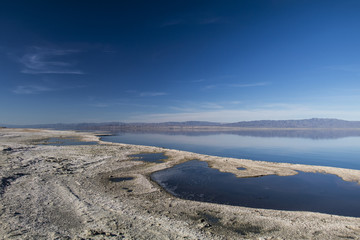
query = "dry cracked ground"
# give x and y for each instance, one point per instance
(64, 192)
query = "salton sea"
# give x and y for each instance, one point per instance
(315, 192)
(323, 148)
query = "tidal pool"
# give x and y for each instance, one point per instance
(241, 168)
(149, 157)
(120, 179)
(314, 192)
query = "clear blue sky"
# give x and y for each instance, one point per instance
(155, 61)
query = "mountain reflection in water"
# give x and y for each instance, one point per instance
(336, 148)
(309, 133)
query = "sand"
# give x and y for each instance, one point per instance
(64, 192)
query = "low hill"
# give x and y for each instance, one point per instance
(317, 123)
(304, 123)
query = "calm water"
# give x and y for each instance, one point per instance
(314, 192)
(120, 179)
(149, 157)
(337, 149)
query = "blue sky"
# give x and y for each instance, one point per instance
(156, 61)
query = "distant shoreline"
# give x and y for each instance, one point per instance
(207, 128)
(303, 124)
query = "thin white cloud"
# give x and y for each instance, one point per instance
(192, 81)
(99, 105)
(237, 85)
(258, 84)
(346, 68)
(37, 89)
(49, 61)
(210, 105)
(193, 106)
(137, 105)
(182, 109)
(152, 94)
(119, 103)
(235, 102)
(261, 113)
(31, 89)
(28, 71)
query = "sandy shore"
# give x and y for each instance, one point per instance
(64, 192)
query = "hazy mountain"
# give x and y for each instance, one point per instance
(304, 123)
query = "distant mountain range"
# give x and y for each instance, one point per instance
(304, 123)
(317, 123)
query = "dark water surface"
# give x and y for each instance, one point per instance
(321, 148)
(120, 179)
(314, 192)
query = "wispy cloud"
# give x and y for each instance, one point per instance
(196, 106)
(235, 115)
(346, 68)
(99, 105)
(235, 102)
(31, 89)
(212, 86)
(136, 93)
(210, 105)
(120, 103)
(237, 85)
(49, 61)
(42, 88)
(152, 94)
(191, 81)
(258, 84)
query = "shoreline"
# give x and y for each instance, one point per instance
(253, 168)
(56, 191)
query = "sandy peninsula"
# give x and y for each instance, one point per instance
(64, 192)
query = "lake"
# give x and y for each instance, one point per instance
(312, 147)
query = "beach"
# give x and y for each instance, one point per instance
(65, 192)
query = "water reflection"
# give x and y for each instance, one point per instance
(315, 192)
(336, 152)
(288, 133)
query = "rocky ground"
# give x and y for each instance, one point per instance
(64, 192)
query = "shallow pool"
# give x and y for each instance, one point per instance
(315, 192)
(149, 157)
